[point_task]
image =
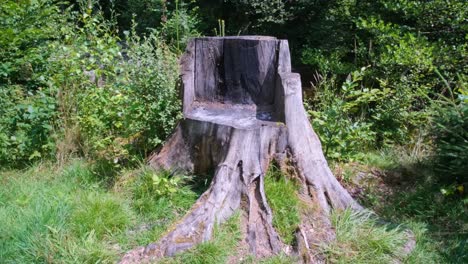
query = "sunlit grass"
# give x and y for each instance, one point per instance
(359, 239)
(72, 215)
(279, 259)
(69, 215)
(406, 191)
(281, 193)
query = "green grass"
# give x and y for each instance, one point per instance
(77, 214)
(104, 213)
(71, 215)
(413, 197)
(36, 215)
(359, 239)
(279, 259)
(281, 193)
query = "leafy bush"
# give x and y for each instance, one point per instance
(28, 109)
(402, 43)
(450, 132)
(180, 26)
(27, 27)
(26, 124)
(78, 89)
(343, 134)
(158, 190)
(115, 100)
(154, 106)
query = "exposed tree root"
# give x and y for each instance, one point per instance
(238, 182)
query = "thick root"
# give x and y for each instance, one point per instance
(233, 189)
(215, 206)
(241, 158)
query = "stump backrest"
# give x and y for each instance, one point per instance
(235, 70)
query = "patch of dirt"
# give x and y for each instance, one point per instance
(242, 251)
(360, 179)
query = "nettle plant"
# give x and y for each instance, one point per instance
(166, 185)
(151, 189)
(337, 115)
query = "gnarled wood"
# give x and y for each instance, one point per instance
(242, 110)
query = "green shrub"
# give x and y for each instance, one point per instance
(26, 125)
(180, 26)
(450, 133)
(27, 27)
(78, 89)
(115, 101)
(402, 43)
(333, 114)
(28, 109)
(151, 83)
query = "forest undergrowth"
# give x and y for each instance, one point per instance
(73, 214)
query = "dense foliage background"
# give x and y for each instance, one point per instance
(385, 85)
(98, 79)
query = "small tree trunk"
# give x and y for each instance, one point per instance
(242, 110)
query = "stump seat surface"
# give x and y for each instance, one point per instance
(235, 115)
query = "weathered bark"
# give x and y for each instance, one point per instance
(242, 110)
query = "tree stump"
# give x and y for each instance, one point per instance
(243, 110)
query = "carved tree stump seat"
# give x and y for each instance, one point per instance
(243, 110)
